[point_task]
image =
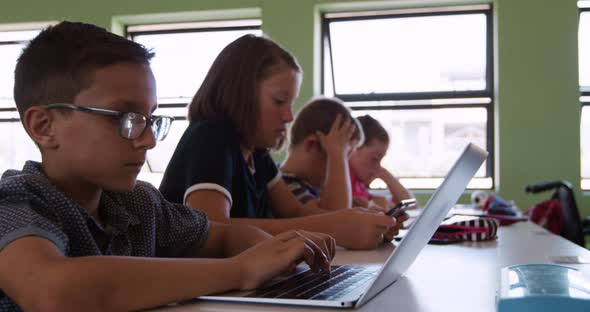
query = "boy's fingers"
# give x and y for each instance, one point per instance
(336, 124)
(377, 239)
(384, 221)
(321, 137)
(345, 126)
(376, 208)
(389, 237)
(350, 132)
(347, 131)
(330, 243)
(320, 259)
(324, 242)
(350, 126)
(297, 248)
(371, 210)
(317, 241)
(333, 246)
(402, 217)
(391, 233)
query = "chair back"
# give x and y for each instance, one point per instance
(572, 229)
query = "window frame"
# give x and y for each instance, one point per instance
(403, 101)
(198, 27)
(9, 115)
(584, 102)
(4, 110)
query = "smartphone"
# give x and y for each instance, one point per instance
(401, 207)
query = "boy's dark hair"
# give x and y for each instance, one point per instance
(319, 115)
(373, 130)
(229, 91)
(57, 64)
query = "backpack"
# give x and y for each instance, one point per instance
(548, 214)
(462, 228)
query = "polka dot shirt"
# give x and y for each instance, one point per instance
(140, 223)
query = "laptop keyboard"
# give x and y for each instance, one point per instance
(308, 285)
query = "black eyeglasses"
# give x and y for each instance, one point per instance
(131, 125)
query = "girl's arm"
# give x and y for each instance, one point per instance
(397, 190)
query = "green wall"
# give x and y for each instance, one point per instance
(537, 113)
(538, 110)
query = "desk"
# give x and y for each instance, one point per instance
(459, 277)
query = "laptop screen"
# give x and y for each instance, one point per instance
(420, 232)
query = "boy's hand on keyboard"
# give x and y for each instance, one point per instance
(325, 243)
(277, 255)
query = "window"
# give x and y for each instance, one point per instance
(584, 65)
(184, 53)
(426, 75)
(16, 147)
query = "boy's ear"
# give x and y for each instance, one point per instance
(309, 143)
(38, 122)
(312, 143)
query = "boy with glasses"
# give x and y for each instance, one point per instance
(77, 231)
(131, 125)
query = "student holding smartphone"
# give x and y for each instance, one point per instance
(401, 207)
(365, 166)
(322, 137)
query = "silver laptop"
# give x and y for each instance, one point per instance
(351, 286)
